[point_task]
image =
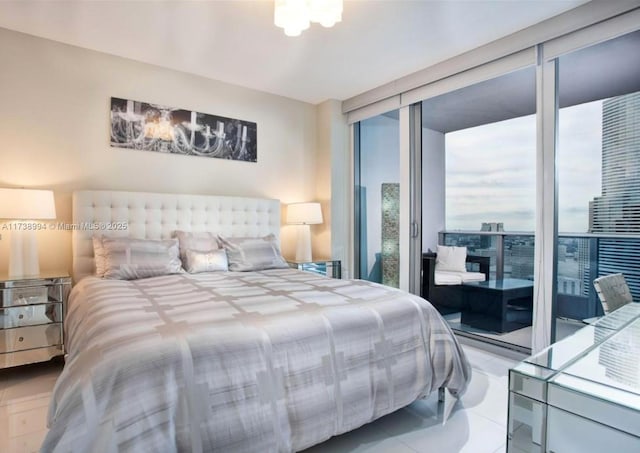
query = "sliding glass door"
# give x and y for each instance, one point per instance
(478, 153)
(531, 162)
(377, 198)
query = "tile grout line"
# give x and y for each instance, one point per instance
(492, 421)
(502, 425)
(407, 445)
(477, 412)
(501, 448)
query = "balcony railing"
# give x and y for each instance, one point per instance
(582, 257)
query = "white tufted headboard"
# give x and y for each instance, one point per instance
(158, 215)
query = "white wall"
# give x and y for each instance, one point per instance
(341, 189)
(433, 187)
(54, 131)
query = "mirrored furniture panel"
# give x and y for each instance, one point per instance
(328, 268)
(31, 318)
(581, 393)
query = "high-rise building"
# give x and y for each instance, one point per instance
(522, 261)
(584, 266)
(486, 241)
(618, 209)
(492, 226)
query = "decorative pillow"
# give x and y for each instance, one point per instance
(215, 260)
(98, 255)
(253, 254)
(198, 242)
(130, 259)
(451, 259)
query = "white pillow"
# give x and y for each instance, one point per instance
(253, 254)
(198, 242)
(130, 259)
(211, 261)
(451, 259)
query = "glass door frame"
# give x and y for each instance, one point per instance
(410, 237)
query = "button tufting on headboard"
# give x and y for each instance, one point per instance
(156, 216)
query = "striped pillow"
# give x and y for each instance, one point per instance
(253, 254)
(131, 259)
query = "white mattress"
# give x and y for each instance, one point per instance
(241, 362)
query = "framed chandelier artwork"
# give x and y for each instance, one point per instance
(153, 127)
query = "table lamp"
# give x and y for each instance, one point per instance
(23, 205)
(303, 215)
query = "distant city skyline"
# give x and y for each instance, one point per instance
(491, 171)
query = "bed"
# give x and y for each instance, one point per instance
(262, 361)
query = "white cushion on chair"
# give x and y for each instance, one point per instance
(472, 277)
(457, 278)
(451, 258)
(447, 278)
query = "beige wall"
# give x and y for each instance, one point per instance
(321, 234)
(333, 182)
(54, 134)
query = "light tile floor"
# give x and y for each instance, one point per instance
(24, 400)
(476, 424)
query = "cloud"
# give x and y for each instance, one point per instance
(491, 171)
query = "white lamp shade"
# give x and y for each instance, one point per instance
(27, 204)
(304, 213)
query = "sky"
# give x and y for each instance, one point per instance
(491, 171)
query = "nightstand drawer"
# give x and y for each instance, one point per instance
(30, 356)
(30, 315)
(24, 296)
(22, 338)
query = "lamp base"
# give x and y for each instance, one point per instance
(23, 259)
(303, 248)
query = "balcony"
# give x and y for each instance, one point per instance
(581, 259)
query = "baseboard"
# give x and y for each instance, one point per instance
(509, 351)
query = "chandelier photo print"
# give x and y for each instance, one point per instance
(152, 127)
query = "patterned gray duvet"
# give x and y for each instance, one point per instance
(265, 361)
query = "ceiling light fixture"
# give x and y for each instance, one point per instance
(296, 15)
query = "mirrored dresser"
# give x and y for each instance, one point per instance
(328, 268)
(581, 394)
(31, 318)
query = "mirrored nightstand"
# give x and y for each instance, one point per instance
(328, 268)
(31, 317)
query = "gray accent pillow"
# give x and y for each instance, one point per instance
(253, 254)
(198, 242)
(213, 261)
(131, 259)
